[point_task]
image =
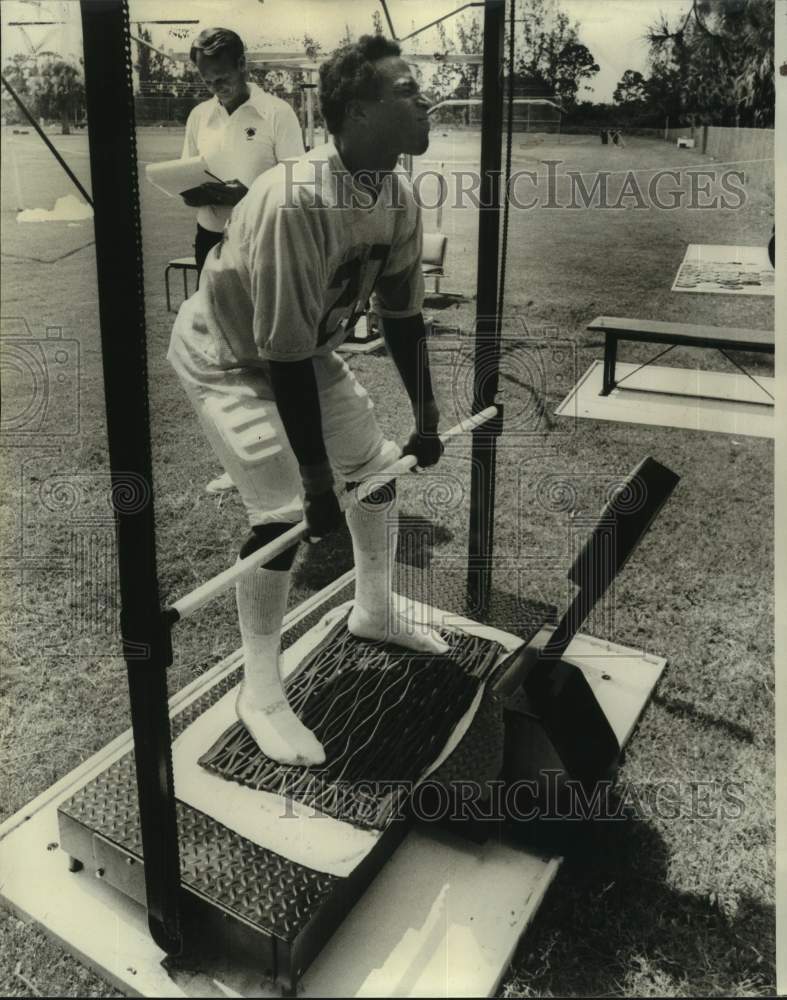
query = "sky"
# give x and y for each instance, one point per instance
(613, 30)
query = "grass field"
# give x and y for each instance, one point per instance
(676, 903)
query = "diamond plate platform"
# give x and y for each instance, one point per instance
(237, 895)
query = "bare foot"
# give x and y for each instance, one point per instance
(277, 730)
(398, 625)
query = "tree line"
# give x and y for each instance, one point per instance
(713, 65)
(51, 87)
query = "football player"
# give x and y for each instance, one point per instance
(255, 350)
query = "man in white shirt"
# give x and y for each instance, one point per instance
(241, 131)
(255, 352)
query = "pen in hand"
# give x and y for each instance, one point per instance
(215, 178)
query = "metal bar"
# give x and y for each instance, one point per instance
(613, 362)
(639, 368)
(748, 375)
(146, 646)
(568, 626)
(509, 142)
(49, 145)
(388, 18)
(160, 52)
(205, 593)
(558, 691)
(445, 17)
(487, 348)
(453, 102)
(310, 113)
(624, 520)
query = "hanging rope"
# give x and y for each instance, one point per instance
(509, 141)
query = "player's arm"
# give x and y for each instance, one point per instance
(399, 294)
(406, 343)
(298, 402)
(405, 339)
(287, 280)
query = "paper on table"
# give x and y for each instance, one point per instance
(173, 177)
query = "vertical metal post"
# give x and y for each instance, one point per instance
(439, 217)
(146, 646)
(487, 329)
(310, 112)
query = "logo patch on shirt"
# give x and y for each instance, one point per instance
(250, 132)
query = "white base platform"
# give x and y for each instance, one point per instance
(443, 917)
(676, 397)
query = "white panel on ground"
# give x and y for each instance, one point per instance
(446, 916)
(730, 403)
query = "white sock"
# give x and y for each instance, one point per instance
(262, 705)
(374, 532)
(378, 613)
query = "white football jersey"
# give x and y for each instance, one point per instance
(303, 253)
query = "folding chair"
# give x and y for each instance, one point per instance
(184, 264)
(433, 258)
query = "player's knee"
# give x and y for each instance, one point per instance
(264, 534)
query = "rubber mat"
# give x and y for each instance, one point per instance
(382, 713)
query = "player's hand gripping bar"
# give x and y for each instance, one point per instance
(192, 602)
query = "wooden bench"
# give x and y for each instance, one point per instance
(724, 338)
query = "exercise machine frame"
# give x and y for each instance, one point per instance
(145, 624)
(145, 628)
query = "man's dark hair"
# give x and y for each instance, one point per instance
(350, 74)
(215, 42)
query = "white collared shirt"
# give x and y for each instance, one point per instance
(260, 133)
